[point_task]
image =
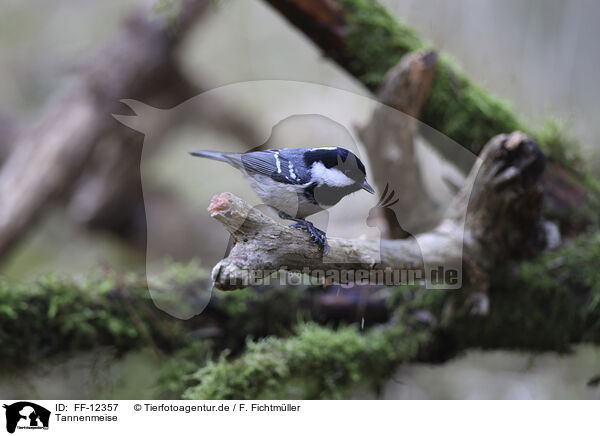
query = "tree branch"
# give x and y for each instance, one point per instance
(493, 217)
(389, 138)
(49, 156)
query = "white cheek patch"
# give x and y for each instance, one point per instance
(330, 176)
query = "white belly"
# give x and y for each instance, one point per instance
(286, 198)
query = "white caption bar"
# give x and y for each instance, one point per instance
(300, 417)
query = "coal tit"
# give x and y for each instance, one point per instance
(298, 182)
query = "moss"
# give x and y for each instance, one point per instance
(169, 9)
(548, 303)
(176, 371)
(317, 362)
(457, 107)
(375, 41)
(553, 139)
(60, 315)
(544, 304)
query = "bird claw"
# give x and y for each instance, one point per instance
(316, 235)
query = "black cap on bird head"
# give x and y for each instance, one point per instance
(342, 160)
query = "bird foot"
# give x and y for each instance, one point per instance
(316, 235)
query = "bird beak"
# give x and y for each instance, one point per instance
(367, 187)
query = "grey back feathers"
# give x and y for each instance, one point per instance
(284, 166)
(329, 165)
(298, 181)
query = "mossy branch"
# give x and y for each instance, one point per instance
(363, 38)
(367, 41)
(545, 304)
(317, 362)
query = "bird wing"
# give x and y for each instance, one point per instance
(270, 163)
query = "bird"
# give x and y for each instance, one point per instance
(299, 182)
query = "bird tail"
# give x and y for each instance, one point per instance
(214, 155)
(230, 158)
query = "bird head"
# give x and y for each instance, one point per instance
(336, 167)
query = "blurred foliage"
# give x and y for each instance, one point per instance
(375, 40)
(258, 312)
(464, 111)
(177, 370)
(59, 316)
(170, 10)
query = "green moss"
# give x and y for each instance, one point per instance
(464, 111)
(549, 303)
(553, 139)
(176, 371)
(59, 315)
(317, 362)
(457, 107)
(375, 41)
(545, 304)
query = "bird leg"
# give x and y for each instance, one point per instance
(316, 235)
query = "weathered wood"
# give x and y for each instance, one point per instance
(389, 139)
(498, 210)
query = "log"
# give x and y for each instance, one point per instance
(494, 217)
